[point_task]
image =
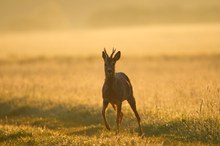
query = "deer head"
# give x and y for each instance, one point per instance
(110, 62)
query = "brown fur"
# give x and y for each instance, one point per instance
(117, 88)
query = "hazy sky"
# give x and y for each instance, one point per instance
(68, 14)
(85, 27)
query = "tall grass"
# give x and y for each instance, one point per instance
(58, 101)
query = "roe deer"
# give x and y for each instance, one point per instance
(117, 88)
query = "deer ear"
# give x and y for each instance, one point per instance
(103, 55)
(117, 56)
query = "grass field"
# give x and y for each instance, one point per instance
(52, 72)
(58, 101)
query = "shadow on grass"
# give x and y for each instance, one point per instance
(87, 130)
(13, 136)
(203, 130)
(87, 120)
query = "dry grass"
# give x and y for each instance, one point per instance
(58, 101)
(51, 77)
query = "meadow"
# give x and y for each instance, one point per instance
(57, 101)
(52, 72)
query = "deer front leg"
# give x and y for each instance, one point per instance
(118, 119)
(105, 105)
(121, 116)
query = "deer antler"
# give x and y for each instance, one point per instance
(113, 51)
(105, 52)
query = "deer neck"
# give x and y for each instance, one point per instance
(110, 80)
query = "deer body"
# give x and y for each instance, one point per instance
(117, 88)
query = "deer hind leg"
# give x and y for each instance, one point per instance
(121, 115)
(132, 103)
(114, 107)
(105, 105)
